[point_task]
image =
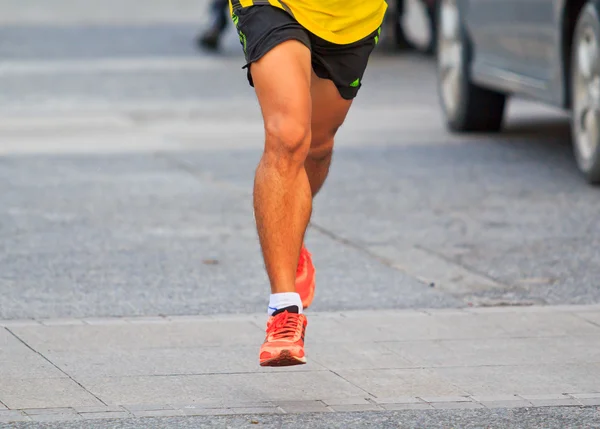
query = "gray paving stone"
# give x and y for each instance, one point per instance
(561, 366)
(303, 386)
(589, 401)
(585, 395)
(146, 320)
(401, 382)
(441, 399)
(550, 400)
(456, 405)
(346, 401)
(257, 410)
(54, 417)
(222, 403)
(178, 389)
(147, 407)
(541, 324)
(336, 356)
(495, 398)
(593, 317)
(44, 393)
(199, 318)
(566, 308)
(354, 328)
(406, 327)
(158, 413)
(101, 321)
(165, 361)
(507, 404)
(500, 351)
(303, 406)
(106, 415)
(208, 411)
(419, 406)
(573, 308)
(356, 408)
(397, 400)
(15, 323)
(98, 409)
(139, 336)
(20, 362)
(61, 322)
(554, 402)
(223, 387)
(7, 416)
(546, 397)
(524, 380)
(48, 411)
(504, 309)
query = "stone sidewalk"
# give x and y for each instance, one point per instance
(361, 360)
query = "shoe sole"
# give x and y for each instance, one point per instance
(310, 297)
(285, 358)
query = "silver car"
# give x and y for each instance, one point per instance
(548, 50)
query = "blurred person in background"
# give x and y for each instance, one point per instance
(394, 28)
(211, 36)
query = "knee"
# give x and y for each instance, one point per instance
(287, 140)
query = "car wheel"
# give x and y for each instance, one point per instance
(466, 106)
(585, 93)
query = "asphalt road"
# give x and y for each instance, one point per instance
(161, 179)
(126, 161)
(522, 418)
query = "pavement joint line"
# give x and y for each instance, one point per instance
(348, 381)
(251, 317)
(588, 320)
(349, 243)
(396, 265)
(286, 407)
(55, 366)
(464, 267)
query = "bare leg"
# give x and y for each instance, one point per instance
(282, 194)
(329, 111)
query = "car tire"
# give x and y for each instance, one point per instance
(466, 106)
(585, 92)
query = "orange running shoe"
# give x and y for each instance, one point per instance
(305, 277)
(284, 344)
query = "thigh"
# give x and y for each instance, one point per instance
(329, 111)
(282, 83)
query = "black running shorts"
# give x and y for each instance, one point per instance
(262, 27)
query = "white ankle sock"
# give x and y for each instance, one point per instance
(278, 301)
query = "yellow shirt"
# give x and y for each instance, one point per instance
(337, 21)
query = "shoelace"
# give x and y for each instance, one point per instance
(284, 325)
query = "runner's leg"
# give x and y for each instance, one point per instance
(329, 111)
(282, 194)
